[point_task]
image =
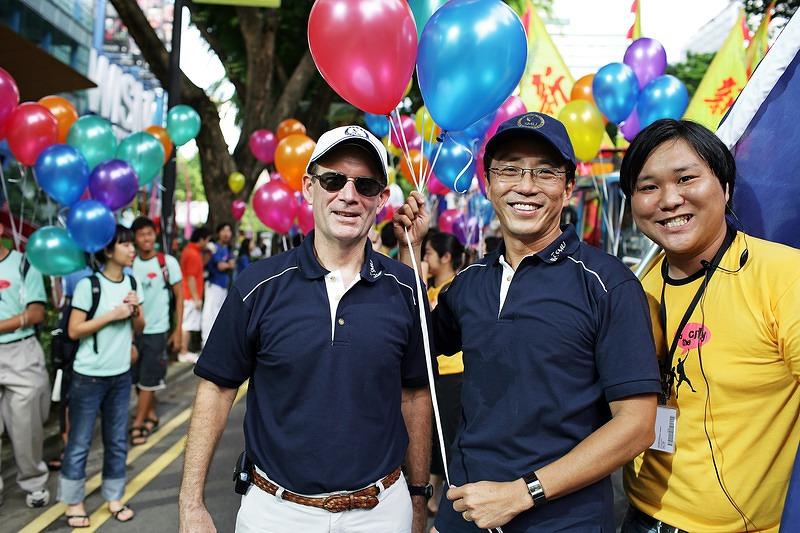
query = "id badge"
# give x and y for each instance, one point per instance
(665, 429)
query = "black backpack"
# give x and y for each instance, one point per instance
(63, 347)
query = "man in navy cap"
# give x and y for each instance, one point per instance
(560, 374)
(329, 336)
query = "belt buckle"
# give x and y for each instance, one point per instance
(332, 503)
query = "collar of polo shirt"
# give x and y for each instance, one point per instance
(371, 269)
(565, 244)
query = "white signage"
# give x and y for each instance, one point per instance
(119, 97)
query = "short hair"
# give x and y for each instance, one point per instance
(222, 225)
(488, 156)
(244, 248)
(121, 235)
(443, 242)
(705, 144)
(198, 234)
(141, 223)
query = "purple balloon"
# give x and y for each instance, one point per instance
(647, 58)
(631, 127)
(466, 231)
(262, 144)
(114, 184)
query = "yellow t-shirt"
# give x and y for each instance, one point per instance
(453, 364)
(748, 332)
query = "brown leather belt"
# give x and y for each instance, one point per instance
(366, 498)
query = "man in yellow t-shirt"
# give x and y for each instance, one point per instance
(731, 377)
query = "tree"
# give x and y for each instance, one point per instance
(783, 8)
(692, 70)
(266, 58)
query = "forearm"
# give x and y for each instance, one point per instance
(193, 288)
(90, 327)
(212, 404)
(404, 256)
(416, 409)
(178, 294)
(138, 320)
(13, 323)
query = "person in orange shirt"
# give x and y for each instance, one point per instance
(444, 256)
(192, 270)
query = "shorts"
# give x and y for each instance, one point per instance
(150, 368)
(191, 316)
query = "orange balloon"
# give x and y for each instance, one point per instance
(290, 126)
(291, 158)
(416, 158)
(65, 114)
(582, 90)
(163, 137)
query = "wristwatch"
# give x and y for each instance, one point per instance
(421, 490)
(535, 489)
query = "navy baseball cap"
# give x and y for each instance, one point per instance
(537, 125)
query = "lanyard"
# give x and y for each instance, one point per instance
(665, 365)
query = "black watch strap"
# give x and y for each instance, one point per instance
(421, 490)
(535, 489)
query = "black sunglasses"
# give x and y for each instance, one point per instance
(334, 181)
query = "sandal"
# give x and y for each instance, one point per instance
(151, 424)
(138, 435)
(54, 464)
(122, 509)
(84, 520)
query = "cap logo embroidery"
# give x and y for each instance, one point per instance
(531, 120)
(356, 131)
(554, 255)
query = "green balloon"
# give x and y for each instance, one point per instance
(144, 153)
(93, 137)
(183, 124)
(53, 253)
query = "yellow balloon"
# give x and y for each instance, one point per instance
(425, 125)
(236, 182)
(392, 149)
(391, 175)
(408, 87)
(584, 125)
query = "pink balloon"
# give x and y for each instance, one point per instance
(9, 98)
(408, 128)
(275, 205)
(448, 218)
(31, 128)
(436, 186)
(238, 207)
(365, 49)
(305, 215)
(512, 107)
(262, 144)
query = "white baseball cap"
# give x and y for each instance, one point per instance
(351, 135)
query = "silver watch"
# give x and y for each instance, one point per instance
(535, 489)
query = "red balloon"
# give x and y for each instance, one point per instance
(305, 216)
(9, 98)
(365, 49)
(238, 207)
(448, 218)
(275, 205)
(262, 144)
(31, 128)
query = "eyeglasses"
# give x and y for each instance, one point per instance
(544, 176)
(334, 181)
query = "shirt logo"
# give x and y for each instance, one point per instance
(531, 120)
(554, 255)
(356, 131)
(4, 284)
(151, 275)
(372, 272)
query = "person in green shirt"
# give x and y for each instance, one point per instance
(24, 383)
(101, 380)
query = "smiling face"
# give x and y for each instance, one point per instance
(145, 239)
(344, 216)
(529, 211)
(679, 203)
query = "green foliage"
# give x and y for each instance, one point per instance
(692, 70)
(192, 168)
(783, 8)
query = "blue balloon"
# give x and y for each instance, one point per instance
(481, 208)
(62, 172)
(473, 135)
(664, 97)
(615, 89)
(471, 56)
(453, 159)
(377, 124)
(91, 225)
(423, 9)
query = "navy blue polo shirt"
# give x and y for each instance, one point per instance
(323, 410)
(573, 335)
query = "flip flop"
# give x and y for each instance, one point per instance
(153, 423)
(81, 517)
(124, 508)
(142, 433)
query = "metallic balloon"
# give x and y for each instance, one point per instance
(53, 253)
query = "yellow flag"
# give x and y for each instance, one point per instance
(547, 82)
(724, 80)
(636, 30)
(760, 41)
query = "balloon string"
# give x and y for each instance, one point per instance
(24, 180)
(426, 343)
(418, 179)
(404, 152)
(603, 197)
(436, 156)
(14, 234)
(463, 170)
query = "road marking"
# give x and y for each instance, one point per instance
(58, 509)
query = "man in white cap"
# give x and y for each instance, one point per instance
(329, 336)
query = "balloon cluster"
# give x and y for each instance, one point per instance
(70, 155)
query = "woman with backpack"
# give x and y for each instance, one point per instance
(106, 309)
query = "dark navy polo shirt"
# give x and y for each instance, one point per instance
(323, 414)
(573, 335)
